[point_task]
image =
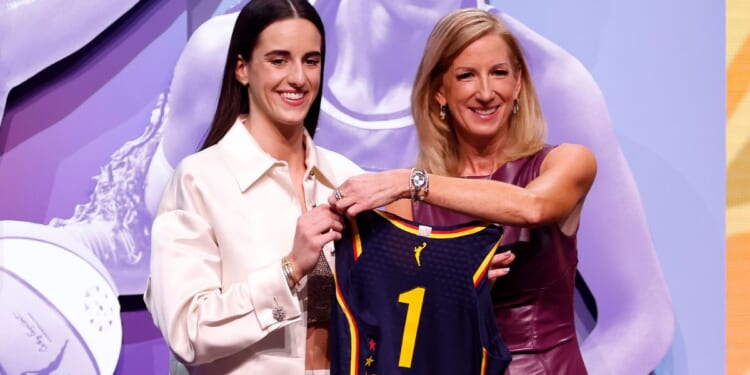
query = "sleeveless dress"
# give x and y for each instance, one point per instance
(533, 303)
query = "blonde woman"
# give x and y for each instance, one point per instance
(483, 155)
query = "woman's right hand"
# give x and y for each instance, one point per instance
(370, 190)
(315, 228)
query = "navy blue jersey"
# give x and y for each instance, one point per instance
(412, 299)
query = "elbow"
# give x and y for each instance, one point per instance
(532, 213)
(538, 211)
(173, 333)
(187, 353)
(184, 355)
(186, 349)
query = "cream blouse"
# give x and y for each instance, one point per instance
(226, 219)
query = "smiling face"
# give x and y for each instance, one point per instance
(283, 73)
(479, 89)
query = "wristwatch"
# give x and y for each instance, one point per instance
(419, 184)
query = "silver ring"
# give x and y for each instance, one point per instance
(338, 195)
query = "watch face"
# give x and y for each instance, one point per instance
(418, 180)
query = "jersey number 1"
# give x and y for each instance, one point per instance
(414, 299)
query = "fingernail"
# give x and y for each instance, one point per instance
(506, 269)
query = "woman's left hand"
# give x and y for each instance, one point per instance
(499, 265)
(369, 191)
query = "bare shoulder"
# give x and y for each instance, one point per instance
(571, 158)
(571, 150)
(571, 153)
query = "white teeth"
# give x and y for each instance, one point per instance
(486, 112)
(293, 95)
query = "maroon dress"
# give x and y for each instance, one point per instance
(534, 302)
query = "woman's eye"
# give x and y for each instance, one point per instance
(463, 76)
(501, 72)
(313, 62)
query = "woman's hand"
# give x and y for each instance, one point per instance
(315, 228)
(370, 190)
(499, 265)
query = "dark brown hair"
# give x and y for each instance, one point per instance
(252, 20)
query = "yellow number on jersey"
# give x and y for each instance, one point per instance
(414, 299)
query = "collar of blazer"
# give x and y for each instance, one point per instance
(248, 162)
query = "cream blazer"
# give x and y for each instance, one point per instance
(226, 219)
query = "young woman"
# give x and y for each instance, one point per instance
(241, 243)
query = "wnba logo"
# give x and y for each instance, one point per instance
(58, 306)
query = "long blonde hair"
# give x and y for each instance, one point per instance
(438, 152)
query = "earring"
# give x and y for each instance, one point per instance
(442, 112)
(515, 106)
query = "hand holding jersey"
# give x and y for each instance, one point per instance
(314, 229)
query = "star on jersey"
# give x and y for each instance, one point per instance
(418, 253)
